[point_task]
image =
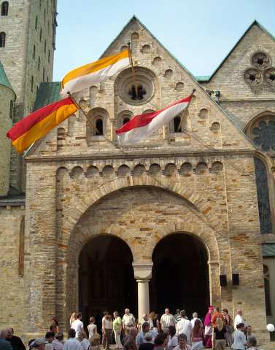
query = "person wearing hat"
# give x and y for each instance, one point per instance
(148, 342)
(38, 344)
(208, 328)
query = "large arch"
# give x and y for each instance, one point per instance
(205, 206)
(180, 277)
(106, 277)
(141, 216)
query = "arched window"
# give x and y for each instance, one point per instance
(177, 124)
(33, 52)
(137, 92)
(11, 109)
(45, 46)
(2, 39)
(267, 291)
(36, 23)
(98, 126)
(38, 63)
(32, 83)
(40, 35)
(4, 8)
(49, 55)
(125, 120)
(264, 135)
(263, 196)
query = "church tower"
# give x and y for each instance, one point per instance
(27, 44)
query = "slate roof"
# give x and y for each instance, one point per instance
(268, 249)
(47, 93)
(3, 78)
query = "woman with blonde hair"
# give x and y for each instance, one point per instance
(219, 335)
(73, 318)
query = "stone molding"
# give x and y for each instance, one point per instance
(142, 272)
(134, 154)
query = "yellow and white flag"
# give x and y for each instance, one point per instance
(95, 72)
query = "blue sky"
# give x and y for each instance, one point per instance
(199, 33)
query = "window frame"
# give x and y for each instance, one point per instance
(3, 39)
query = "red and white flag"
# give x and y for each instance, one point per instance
(141, 126)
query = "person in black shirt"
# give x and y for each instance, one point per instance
(15, 341)
(219, 335)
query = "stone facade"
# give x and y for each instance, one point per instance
(80, 185)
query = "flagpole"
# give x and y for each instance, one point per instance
(133, 69)
(93, 127)
(186, 109)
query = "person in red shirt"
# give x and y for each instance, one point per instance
(216, 314)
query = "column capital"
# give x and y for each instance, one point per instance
(142, 271)
(143, 281)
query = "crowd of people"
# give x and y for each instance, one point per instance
(168, 332)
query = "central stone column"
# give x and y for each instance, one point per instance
(143, 274)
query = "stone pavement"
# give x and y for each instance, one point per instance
(268, 346)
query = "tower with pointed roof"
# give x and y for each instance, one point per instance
(7, 99)
(27, 44)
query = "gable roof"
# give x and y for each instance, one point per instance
(206, 79)
(135, 19)
(197, 80)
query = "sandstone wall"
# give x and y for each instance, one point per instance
(12, 273)
(6, 100)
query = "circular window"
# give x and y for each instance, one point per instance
(260, 60)
(253, 77)
(135, 88)
(270, 77)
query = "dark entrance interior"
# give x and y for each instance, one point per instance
(106, 278)
(180, 275)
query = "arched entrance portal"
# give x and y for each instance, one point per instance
(180, 275)
(106, 277)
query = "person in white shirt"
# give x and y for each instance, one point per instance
(128, 321)
(77, 325)
(107, 329)
(167, 320)
(145, 318)
(239, 340)
(184, 326)
(238, 318)
(177, 315)
(72, 343)
(195, 317)
(58, 342)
